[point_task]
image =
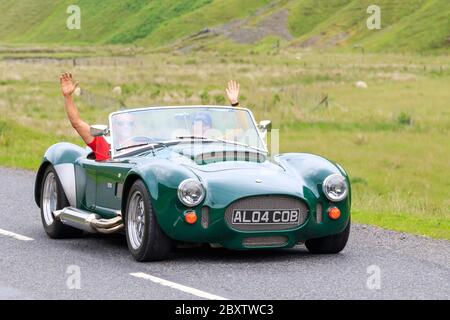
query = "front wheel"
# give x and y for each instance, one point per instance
(330, 244)
(146, 241)
(53, 198)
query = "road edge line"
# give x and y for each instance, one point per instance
(14, 235)
(180, 287)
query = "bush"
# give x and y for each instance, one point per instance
(204, 96)
(404, 119)
(219, 99)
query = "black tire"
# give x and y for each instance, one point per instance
(330, 244)
(56, 229)
(154, 245)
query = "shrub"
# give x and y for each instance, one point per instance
(204, 96)
(219, 99)
(405, 118)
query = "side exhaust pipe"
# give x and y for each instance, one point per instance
(88, 221)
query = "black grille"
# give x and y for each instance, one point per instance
(270, 202)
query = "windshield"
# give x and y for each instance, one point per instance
(135, 128)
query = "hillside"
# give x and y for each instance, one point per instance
(407, 25)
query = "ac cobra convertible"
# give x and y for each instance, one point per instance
(194, 174)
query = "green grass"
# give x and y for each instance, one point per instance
(154, 15)
(305, 16)
(22, 147)
(407, 26)
(404, 222)
(143, 22)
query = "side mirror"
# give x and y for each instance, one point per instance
(265, 125)
(99, 130)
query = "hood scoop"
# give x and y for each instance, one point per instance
(216, 152)
(222, 156)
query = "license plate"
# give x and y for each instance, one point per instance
(285, 216)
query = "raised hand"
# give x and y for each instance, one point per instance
(68, 85)
(233, 92)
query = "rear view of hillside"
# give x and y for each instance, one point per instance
(407, 25)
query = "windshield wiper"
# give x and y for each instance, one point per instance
(192, 137)
(134, 146)
(153, 144)
(239, 144)
(222, 140)
(150, 146)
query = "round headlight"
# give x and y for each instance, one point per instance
(191, 192)
(335, 187)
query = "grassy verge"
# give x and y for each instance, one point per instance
(403, 222)
(22, 147)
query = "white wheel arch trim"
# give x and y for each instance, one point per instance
(66, 175)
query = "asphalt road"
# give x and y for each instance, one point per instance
(409, 267)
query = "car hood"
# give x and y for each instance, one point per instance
(233, 172)
(251, 173)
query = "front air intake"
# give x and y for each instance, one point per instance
(274, 241)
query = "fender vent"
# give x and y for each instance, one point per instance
(319, 212)
(205, 217)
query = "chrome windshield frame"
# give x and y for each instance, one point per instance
(111, 115)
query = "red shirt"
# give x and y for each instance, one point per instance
(100, 148)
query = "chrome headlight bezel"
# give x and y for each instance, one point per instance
(182, 188)
(329, 182)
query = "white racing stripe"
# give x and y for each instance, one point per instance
(14, 235)
(177, 286)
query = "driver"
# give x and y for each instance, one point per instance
(201, 124)
(124, 124)
(123, 127)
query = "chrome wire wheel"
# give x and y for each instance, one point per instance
(50, 198)
(136, 220)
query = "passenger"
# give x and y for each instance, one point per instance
(99, 145)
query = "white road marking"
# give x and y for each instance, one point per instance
(195, 292)
(14, 235)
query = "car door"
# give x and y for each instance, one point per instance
(110, 177)
(86, 183)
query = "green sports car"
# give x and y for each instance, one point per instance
(193, 174)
